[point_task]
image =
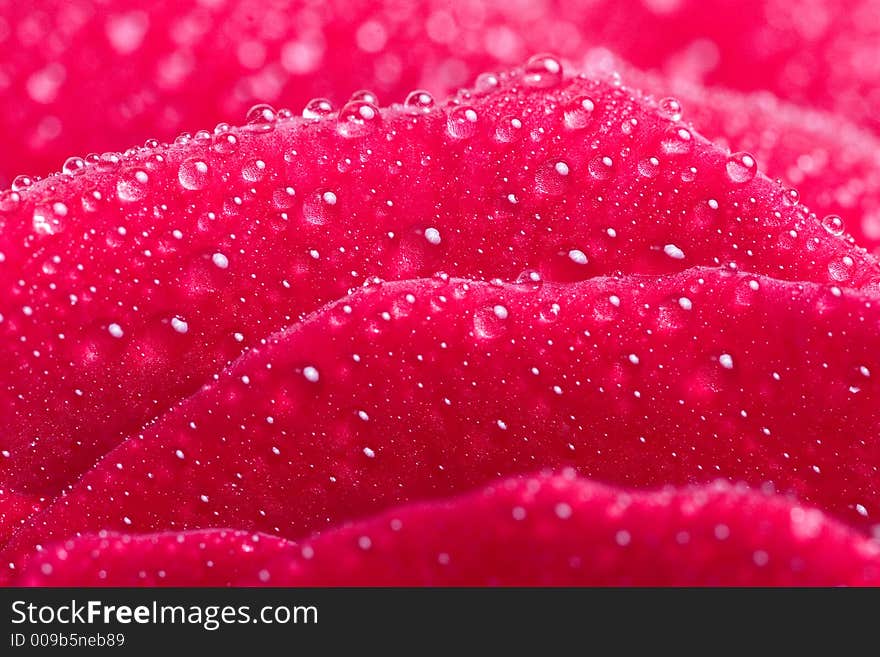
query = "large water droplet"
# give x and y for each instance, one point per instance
(791, 197)
(841, 270)
(317, 108)
(833, 224)
(462, 122)
(509, 128)
(543, 71)
(601, 167)
(485, 83)
(677, 141)
(109, 160)
(194, 174)
(358, 118)
(419, 99)
(741, 167)
(578, 112)
(670, 108)
(225, 143)
(366, 96)
(132, 185)
(73, 165)
(260, 118)
(649, 167)
(21, 183)
(9, 200)
(490, 322)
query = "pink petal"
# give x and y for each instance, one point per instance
(419, 389)
(535, 531)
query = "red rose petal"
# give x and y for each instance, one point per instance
(537, 531)
(126, 285)
(424, 388)
(15, 508)
(834, 164)
(84, 76)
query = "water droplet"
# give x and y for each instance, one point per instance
(433, 236)
(578, 112)
(317, 108)
(132, 185)
(673, 252)
(741, 167)
(260, 118)
(509, 128)
(791, 197)
(253, 171)
(726, 361)
(543, 71)
(220, 261)
(419, 99)
(366, 96)
(115, 330)
(225, 143)
(670, 108)
(109, 160)
(485, 83)
(578, 257)
(649, 167)
(601, 167)
(489, 322)
(677, 141)
(9, 200)
(462, 122)
(833, 224)
(21, 183)
(283, 197)
(841, 270)
(194, 174)
(358, 118)
(179, 325)
(73, 165)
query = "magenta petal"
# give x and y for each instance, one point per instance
(423, 388)
(534, 531)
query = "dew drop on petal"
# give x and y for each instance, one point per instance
(578, 113)
(260, 118)
(543, 71)
(419, 99)
(433, 236)
(73, 165)
(673, 252)
(670, 108)
(317, 108)
(578, 257)
(741, 167)
(193, 174)
(601, 167)
(677, 141)
(358, 118)
(462, 122)
(833, 224)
